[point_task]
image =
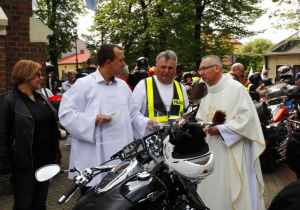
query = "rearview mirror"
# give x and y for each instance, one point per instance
(47, 172)
(198, 92)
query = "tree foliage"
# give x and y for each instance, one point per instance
(258, 46)
(288, 15)
(191, 28)
(60, 16)
(254, 61)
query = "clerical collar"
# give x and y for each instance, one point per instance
(222, 77)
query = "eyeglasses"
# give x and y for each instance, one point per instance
(242, 71)
(39, 75)
(205, 68)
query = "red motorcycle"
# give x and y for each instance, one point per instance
(282, 109)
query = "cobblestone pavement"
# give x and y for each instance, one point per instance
(274, 182)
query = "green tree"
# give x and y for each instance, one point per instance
(254, 61)
(258, 46)
(60, 16)
(287, 15)
(192, 28)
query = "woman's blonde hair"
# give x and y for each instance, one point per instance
(25, 70)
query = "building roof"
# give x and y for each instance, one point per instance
(233, 40)
(81, 57)
(288, 46)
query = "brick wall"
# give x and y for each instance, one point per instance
(16, 44)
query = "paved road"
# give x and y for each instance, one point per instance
(274, 182)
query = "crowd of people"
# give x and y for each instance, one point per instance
(29, 134)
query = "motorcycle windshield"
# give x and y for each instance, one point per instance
(275, 91)
(123, 124)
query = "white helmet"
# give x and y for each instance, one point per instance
(285, 71)
(195, 166)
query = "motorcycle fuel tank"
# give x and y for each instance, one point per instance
(140, 191)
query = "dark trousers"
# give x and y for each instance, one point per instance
(28, 193)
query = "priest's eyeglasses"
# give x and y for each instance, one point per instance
(205, 68)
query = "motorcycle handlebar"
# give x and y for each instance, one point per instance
(68, 193)
(197, 124)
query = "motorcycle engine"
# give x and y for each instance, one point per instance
(276, 133)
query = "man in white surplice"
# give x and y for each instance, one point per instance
(99, 113)
(236, 182)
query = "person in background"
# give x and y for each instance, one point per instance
(28, 136)
(87, 105)
(46, 92)
(91, 67)
(161, 91)
(288, 197)
(124, 75)
(195, 77)
(139, 72)
(286, 75)
(265, 78)
(255, 87)
(71, 80)
(53, 83)
(152, 71)
(236, 182)
(237, 71)
(187, 79)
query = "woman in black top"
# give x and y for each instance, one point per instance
(28, 136)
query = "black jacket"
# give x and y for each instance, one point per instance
(16, 133)
(234, 77)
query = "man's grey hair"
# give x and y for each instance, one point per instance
(215, 60)
(125, 70)
(168, 54)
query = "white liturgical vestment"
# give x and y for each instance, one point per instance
(92, 145)
(237, 174)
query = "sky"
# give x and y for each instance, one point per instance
(262, 23)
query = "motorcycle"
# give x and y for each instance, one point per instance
(278, 119)
(133, 183)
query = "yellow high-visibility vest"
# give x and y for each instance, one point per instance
(155, 103)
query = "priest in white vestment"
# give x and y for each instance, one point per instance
(236, 182)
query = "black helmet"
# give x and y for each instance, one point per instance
(255, 79)
(142, 63)
(186, 75)
(50, 68)
(285, 71)
(293, 92)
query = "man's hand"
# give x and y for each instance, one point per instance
(102, 119)
(261, 86)
(150, 124)
(212, 131)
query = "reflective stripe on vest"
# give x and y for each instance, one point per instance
(248, 87)
(154, 101)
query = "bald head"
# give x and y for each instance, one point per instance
(237, 66)
(238, 70)
(210, 69)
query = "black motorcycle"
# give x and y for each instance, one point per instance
(158, 171)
